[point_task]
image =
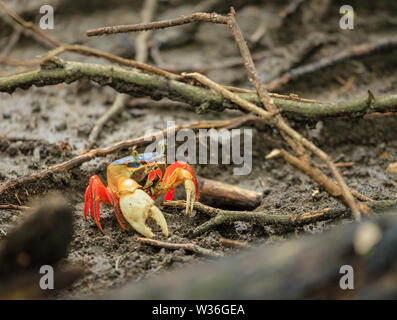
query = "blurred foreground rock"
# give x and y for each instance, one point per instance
(296, 269)
(41, 240)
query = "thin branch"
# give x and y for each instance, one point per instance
(340, 164)
(141, 43)
(177, 246)
(233, 243)
(199, 16)
(244, 104)
(143, 140)
(13, 207)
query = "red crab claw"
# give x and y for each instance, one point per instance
(174, 175)
(95, 193)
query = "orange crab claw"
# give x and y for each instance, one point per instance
(95, 193)
(174, 175)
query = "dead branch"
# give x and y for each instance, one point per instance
(290, 8)
(339, 164)
(147, 14)
(233, 243)
(220, 216)
(13, 207)
(176, 246)
(229, 194)
(199, 16)
(13, 40)
(137, 83)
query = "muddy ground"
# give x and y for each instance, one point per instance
(34, 123)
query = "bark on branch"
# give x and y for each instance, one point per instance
(139, 83)
(220, 216)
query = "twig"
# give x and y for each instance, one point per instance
(141, 44)
(220, 216)
(199, 16)
(78, 160)
(350, 53)
(13, 206)
(186, 33)
(244, 104)
(233, 243)
(176, 246)
(339, 164)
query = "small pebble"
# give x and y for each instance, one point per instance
(12, 151)
(36, 106)
(61, 127)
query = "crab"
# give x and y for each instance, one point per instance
(133, 183)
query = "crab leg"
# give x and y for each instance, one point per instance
(94, 194)
(174, 175)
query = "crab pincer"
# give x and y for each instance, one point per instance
(137, 206)
(174, 175)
